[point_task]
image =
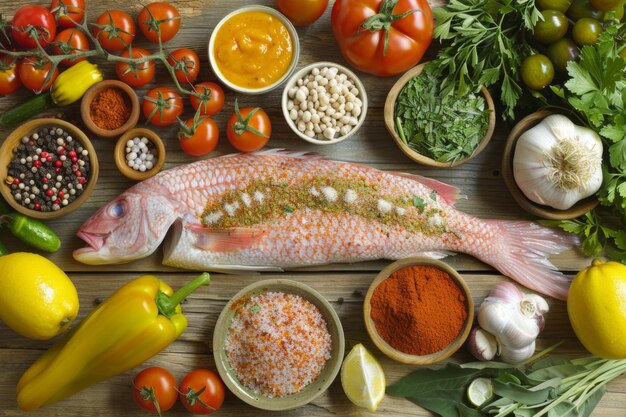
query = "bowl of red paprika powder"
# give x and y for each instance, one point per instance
(418, 311)
(110, 108)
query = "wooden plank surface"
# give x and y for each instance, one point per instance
(343, 285)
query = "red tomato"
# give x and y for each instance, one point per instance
(202, 391)
(354, 24)
(135, 75)
(302, 12)
(154, 389)
(68, 12)
(161, 106)
(186, 64)
(115, 30)
(31, 20)
(199, 138)
(9, 80)
(248, 129)
(33, 74)
(70, 41)
(212, 98)
(159, 17)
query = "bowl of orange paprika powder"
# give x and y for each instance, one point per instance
(418, 311)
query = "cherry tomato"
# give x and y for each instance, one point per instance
(29, 20)
(70, 41)
(68, 12)
(154, 389)
(9, 80)
(248, 129)
(552, 28)
(561, 52)
(135, 75)
(560, 5)
(199, 138)
(302, 12)
(186, 64)
(115, 30)
(161, 106)
(537, 71)
(202, 391)
(604, 5)
(364, 48)
(212, 101)
(582, 8)
(33, 74)
(159, 17)
(586, 31)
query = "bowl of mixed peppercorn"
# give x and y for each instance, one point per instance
(48, 168)
(434, 127)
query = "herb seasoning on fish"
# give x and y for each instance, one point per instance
(277, 343)
(446, 128)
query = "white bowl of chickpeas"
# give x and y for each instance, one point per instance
(324, 103)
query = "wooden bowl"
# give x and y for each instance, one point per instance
(309, 392)
(120, 154)
(539, 210)
(6, 155)
(397, 355)
(90, 95)
(390, 107)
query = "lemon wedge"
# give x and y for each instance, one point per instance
(362, 378)
(480, 391)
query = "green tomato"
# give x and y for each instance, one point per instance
(552, 28)
(582, 8)
(537, 71)
(618, 9)
(604, 5)
(561, 52)
(560, 5)
(586, 31)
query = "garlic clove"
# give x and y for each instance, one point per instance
(482, 345)
(494, 316)
(517, 355)
(506, 291)
(519, 332)
(540, 304)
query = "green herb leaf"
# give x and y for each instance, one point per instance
(419, 203)
(255, 308)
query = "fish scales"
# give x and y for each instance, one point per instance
(277, 209)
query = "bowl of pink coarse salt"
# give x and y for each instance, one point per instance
(278, 344)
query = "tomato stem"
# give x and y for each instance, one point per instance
(147, 393)
(384, 19)
(241, 125)
(192, 397)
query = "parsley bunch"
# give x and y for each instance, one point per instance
(596, 90)
(484, 45)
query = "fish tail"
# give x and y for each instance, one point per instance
(521, 253)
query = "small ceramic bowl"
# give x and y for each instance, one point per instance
(305, 72)
(390, 108)
(419, 359)
(120, 154)
(545, 212)
(27, 129)
(294, 41)
(311, 391)
(91, 94)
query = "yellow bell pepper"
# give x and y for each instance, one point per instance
(72, 83)
(135, 323)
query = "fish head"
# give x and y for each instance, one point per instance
(129, 227)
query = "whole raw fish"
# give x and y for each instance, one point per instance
(277, 209)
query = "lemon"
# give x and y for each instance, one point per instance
(596, 306)
(362, 378)
(479, 391)
(37, 299)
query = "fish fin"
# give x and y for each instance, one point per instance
(224, 240)
(434, 254)
(449, 193)
(523, 249)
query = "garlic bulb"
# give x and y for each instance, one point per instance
(557, 163)
(515, 320)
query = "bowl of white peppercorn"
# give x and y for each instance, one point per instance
(139, 154)
(324, 103)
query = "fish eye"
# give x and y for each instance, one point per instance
(117, 210)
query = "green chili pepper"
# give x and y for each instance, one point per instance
(3, 249)
(32, 232)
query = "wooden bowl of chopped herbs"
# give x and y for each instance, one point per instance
(434, 128)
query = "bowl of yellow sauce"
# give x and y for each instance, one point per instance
(254, 49)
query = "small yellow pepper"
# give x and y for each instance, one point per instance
(72, 83)
(135, 323)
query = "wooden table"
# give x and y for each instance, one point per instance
(343, 285)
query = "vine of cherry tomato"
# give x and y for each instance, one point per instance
(186, 64)
(159, 17)
(115, 30)
(135, 75)
(33, 74)
(70, 41)
(68, 12)
(213, 101)
(33, 18)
